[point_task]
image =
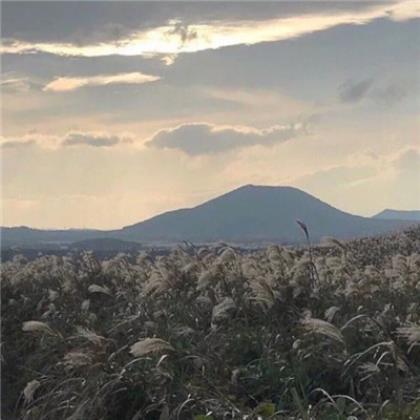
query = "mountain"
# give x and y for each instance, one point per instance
(387, 214)
(250, 214)
(257, 213)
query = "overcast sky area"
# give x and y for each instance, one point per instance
(113, 112)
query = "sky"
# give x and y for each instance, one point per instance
(113, 112)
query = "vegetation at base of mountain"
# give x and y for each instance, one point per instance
(212, 333)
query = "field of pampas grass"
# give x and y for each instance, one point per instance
(214, 333)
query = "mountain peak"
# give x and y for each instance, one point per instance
(270, 188)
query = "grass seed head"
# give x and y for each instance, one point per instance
(150, 346)
(30, 389)
(318, 326)
(37, 326)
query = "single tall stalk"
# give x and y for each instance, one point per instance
(314, 272)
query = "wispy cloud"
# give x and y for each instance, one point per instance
(94, 140)
(351, 91)
(205, 139)
(81, 139)
(175, 37)
(386, 94)
(392, 93)
(17, 144)
(12, 81)
(65, 84)
(14, 84)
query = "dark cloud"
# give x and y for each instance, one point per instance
(184, 32)
(205, 139)
(351, 92)
(87, 22)
(83, 139)
(341, 53)
(386, 94)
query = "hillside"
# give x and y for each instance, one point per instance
(399, 214)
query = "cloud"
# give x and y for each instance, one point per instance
(392, 179)
(14, 82)
(17, 144)
(89, 139)
(94, 22)
(385, 94)
(94, 140)
(177, 37)
(206, 139)
(351, 92)
(392, 93)
(408, 164)
(65, 84)
(336, 177)
(404, 185)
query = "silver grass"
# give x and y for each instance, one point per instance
(274, 255)
(330, 313)
(369, 368)
(77, 359)
(37, 326)
(329, 240)
(89, 335)
(226, 256)
(204, 279)
(148, 346)
(159, 282)
(262, 293)
(318, 326)
(304, 228)
(411, 334)
(223, 310)
(30, 389)
(183, 331)
(204, 302)
(85, 305)
(52, 295)
(94, 288)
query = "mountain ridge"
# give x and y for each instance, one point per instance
(251, 213)
(387, 214)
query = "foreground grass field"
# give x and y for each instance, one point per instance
(211, 333)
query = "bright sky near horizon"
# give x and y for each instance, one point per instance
(113, 112)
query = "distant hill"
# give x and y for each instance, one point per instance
(387, 214)
(106, 244)
(24, 236)
(250, 214)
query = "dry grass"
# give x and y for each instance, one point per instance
(150, 346)
(330, 332)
